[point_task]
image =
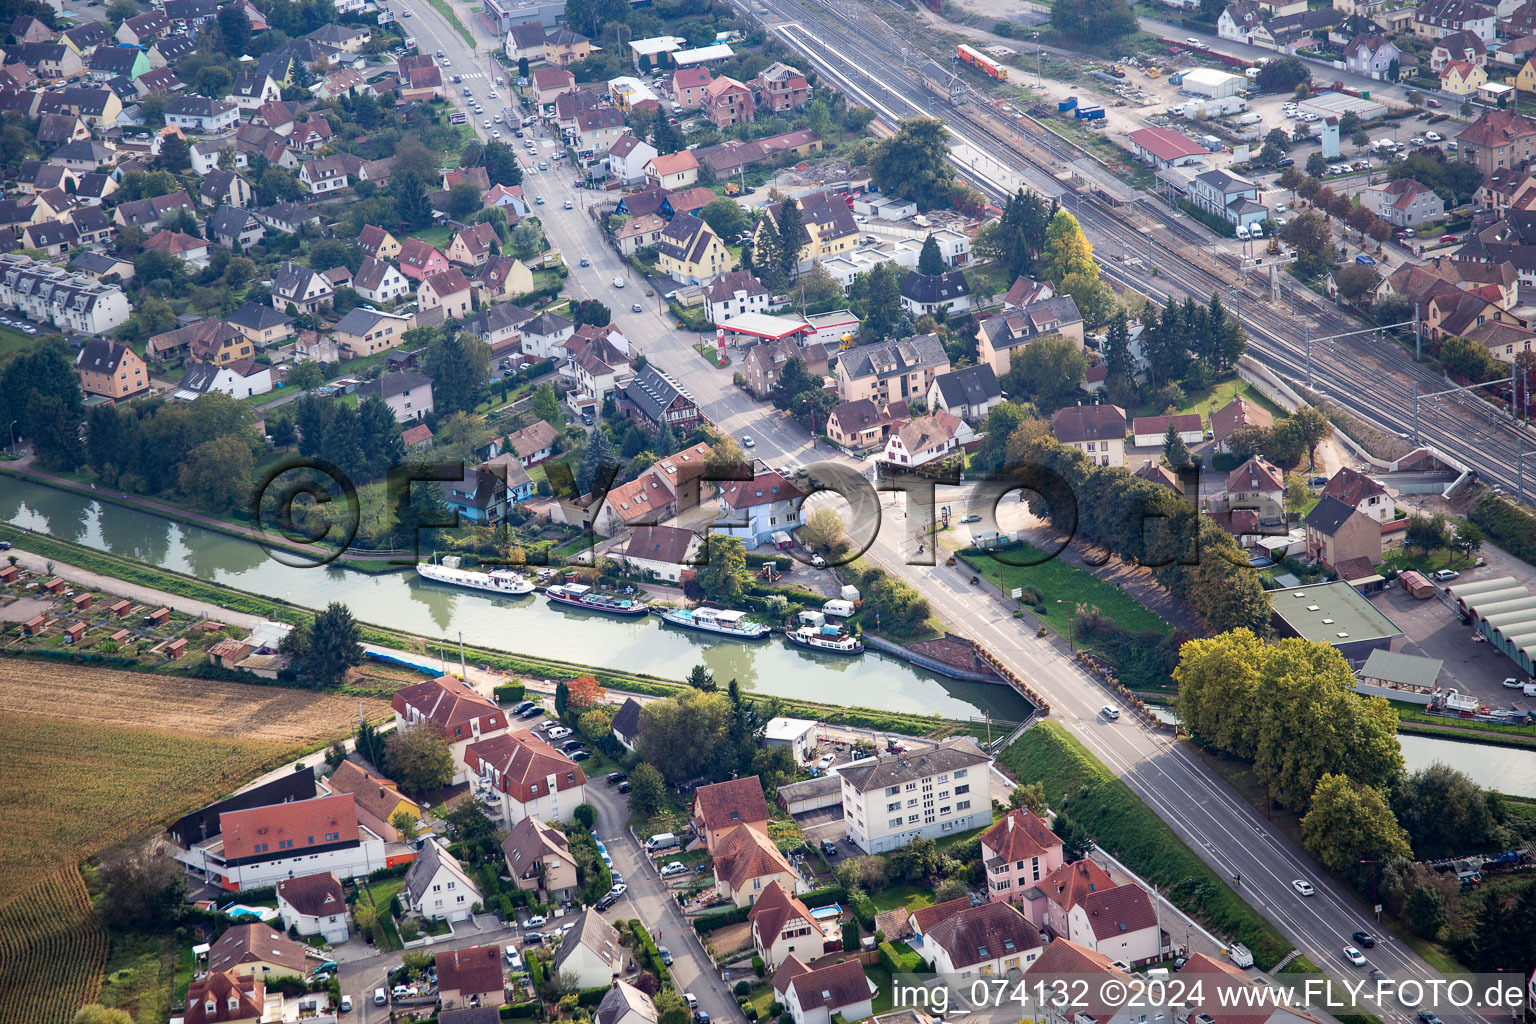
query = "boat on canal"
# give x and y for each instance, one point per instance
(716, 621)
(497, 581)
(827, 639)
(579, 595)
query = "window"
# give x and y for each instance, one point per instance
(912, 819)
(894, 823)
(437, 888)
(962, 773)
(962, 789)
(963, 805)
(894, 805)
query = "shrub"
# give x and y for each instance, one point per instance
(591, 996)
(750, 1011)
(517, 1010)
(758, 967)
(510, 693)
(706, 923)
(741, 988)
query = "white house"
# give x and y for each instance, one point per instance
(543, 335)
(990, 939)
(927, 439)
(379, 281)
(969, 393)
(591, 952)
(1098, 431)
(453, 708)
(437, 886)
(782, 926)
(662, 550)
(625, 1004)
(522, 776)
(201, 114)
(890, 800)
(734, 294)
(408, 395)
(313, 905)
(1120, 922)
(1151, 431)
(812, 997)
(754, 510)
(798, 734)
(627, 158)
(242, 378)
(626, 724)
(928, 293)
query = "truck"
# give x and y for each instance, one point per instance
(1093, 113)
(409, 42)
(1211, 143)
(1066, 104)
(1249, 119)
(1240, 955)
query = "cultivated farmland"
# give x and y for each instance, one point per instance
(52, 951)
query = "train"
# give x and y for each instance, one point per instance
(981, 62)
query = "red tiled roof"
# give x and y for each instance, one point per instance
(313, 895)
(302, 824)
(524, 763)
(1078, 423)
(840, 985)
(761, 490)
(216, 990)
(254, 943)
(980, 934)
(447, 282)
(775, 907)
(447, 703)
(1119, 911)
(1071, 882)
(736, 802)
(1165, 144)
(744, 853)
(927, 917)
(1019, 836)
(473, 970)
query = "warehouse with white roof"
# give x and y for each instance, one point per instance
(1504, 611)
(1211, 84)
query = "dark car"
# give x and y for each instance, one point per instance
(533, 712)
(1286, 161)
(613, 777)
(522, 706)
(666, 955)
(1364, 939)
(570, 745)
(701, 1017)
(624, 787)
(581, 755)
(533, 938)
(606, 902)
(1425, 1017)
(829, 848)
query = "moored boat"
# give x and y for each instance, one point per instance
(579, 595)
(718, 621)
(497, 581)
(829, 639)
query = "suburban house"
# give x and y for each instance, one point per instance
(625, 1004)
(231, 226)
(261, 951)
(1459, 78)
(534, 443)
(378, 281)
(782, 926)
(201, 114)
(733, 294)
(480, 496)
(529, 777)
(1438, 18)
(1361, 493)
(364, 332)
(449, 290)
(969, 393)
(992, 939)
(242, 378)
(690, 253)
(437, 886)
(929, 293)
(223, 997)
(862, 424)
(998, 337)
(453, 708)
(653, 398)
(1097, 431)
(674, 171)
(828, 225)
(1464, 46)
(1119, 922)
(688, 85)
(419, 260)
(890, 370)
(626, 724)
(765, 362)
(814, 996)
(627, 158)
(110, 369)
(1238, 413)
(1403, 203)
(1017, 853)
(408, 395)
(1052, 900)
(1337, 533)
(927, 439)
(376, 796)
(664, 551)
(313, 905)
(1257, 486)
(299, 286)
(1371, 54)
(543, 335)
(757, 509)
(378, 243)
(539, 857)
(591, 951)
(470, 977)
(1499, 138)
(722, 806)
(473, 245)
(891, 799)
(747, 861)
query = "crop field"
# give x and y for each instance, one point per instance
(52, 951)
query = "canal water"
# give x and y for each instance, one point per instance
(527, 625)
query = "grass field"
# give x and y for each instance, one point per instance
(52, 950)
(14, 341)
(1206, 400)
(1065, 586)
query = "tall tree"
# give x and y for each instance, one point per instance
(459, 365)
(767, 255)
(882, 305)
(1218, 678)
(724, 577)
(792, 237)
(913, 163)
(1050, 368)
(793, 379)
(1067, 250)
(1175, 451)
(234, 30)
(1118, 361)
(546, 405)
(930, 260)
(1348, 823)
(327, 647)
(598, 463)
(417, 757)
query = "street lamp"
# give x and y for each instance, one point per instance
(13, 436)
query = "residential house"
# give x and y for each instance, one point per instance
(1018, 853)
(498, 326)
(110, 369)
(470, 977)
(733, 294)
(1257, 486)
(688, 85)
(765, 362)
(862, 424)
(378, 243)
(927, 439)
(225, 188)
(597, 371)
(890, 370)
(378, 281)
(539, 858)
(188, 15)
(101, 107)
(625, 1004)
(146, 213)
(452, 707)
(1152, 431)
(419, 260)
(596, 132)
(289, 218)
(1361, 493)
(727, 102)
(254, 90)
(438, 887)
(313, 905)
(1119, 922)
(258, 950)
(545, 333)
(85, 38)
(930, 293)
(828, 225)
(674, 171)
(225, 998)
(626, 724)
(408, 395)
(562, 47)
(1097, 431)
(143, 28)
(1240, 22)
(209, 340)
(1438, 18)
(111, 62)
(1336, 532)
(378, 799)
(364, 332)
(1463, 46)
(480, 496)
(473, 245)
(639, 232)
(503, 278)
(525, 42)
(815, 996)
(52, 61)
(331, 174)
(1050, 903)
(1458, 78)
(1498, 138)
(1240, 412)
(998, 337)
(27, 29)
(201, 114)
(101, 266)
(969, 393)
(1371, 54)
(721, 806)
(627, 158)
(891, 799)
(534, 444)
(690, 253)
(450, 290)
(754, 510)
(243, 378)
(306, 290)
(591, 952)
(1403, 203)
(664, 551)
(549, 82)
(69, 301)
(748, 861)
(992, 939)
(1235, 199)
(779, 87)
(526, 776)
(782, 926)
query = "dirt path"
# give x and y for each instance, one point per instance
(135, 592)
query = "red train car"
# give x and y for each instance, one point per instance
(981, 62)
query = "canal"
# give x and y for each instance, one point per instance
(527, 625)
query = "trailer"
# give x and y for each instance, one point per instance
(1066, 105)
(1094, 113)
(981, 62)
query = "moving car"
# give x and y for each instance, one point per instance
(1110, 712)
(677, 867)
(635, 307)
(747, 442)
(538, 200)
(1303, 887)
(972, 518)
(568, 204)
(586, 262)
(1354, 956)
(618, 282)
(1365, 940)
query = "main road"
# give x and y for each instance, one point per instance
(1201, 808)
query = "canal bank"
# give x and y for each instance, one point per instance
(522, 627)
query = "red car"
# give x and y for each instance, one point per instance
(1447, 238)
(1430, 101)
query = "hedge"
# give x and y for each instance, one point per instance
(591, 996)
(535, 972)
(648, 956)
(706, 923)
(510, 693)
(521, 1010)
(825, 896)
(757, 561)
(1507, 525)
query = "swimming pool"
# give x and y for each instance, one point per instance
(239, 910)
(822, 913)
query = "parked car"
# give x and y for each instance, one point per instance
(824, 763)
(1430, 101)
(829, 848)
(606, 902)
(533, 712)
(559, 732)
(1447, 239)
(570, 745)
(1432, 136)
(521, 706)
(1512, 683)
(624, 787)
(614, 777)
(581, 755)
(1446, 575)
(972, 518)
(677, 867)
(618, 890)
(346, 1004)
(535, 921)
(1304, 887)
(533, 938)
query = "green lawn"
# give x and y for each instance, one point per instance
(438, 236)
(14, 341)
(441, 7)
(988, 279)
(1066, 586)
(1402, 559)
(913, 897)
(883, 1002)
(1206, 400)
(270, 396)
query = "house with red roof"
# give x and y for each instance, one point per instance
(722, 806)
(1161, 147)
(450, 290)
(1403, 203)
(747, 862)
(1066, 959)
(1052, 900)
(814, 996)
(754, 510)
(688, 85)
(470, 977)
(529, 777)
(1120, 922)
(1018, 852)
(419, 261)
(313, 905)
(224, 997)
(453, 707)
(258, 846)
(990, 939)
(782, 926)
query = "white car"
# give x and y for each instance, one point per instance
(1432, 136)
(677, 867)
(486, 125)
(493, 94)
(1304, 887)
(1354, 956)
(1418, 140)
(537, 920)
(1110, 712)
(747, 442)
(447, 63)
(1511, 682)
(559, 732)
(618, 890)
(495, 133)
(824, 763)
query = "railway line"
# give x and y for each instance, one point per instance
(1372, 380)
